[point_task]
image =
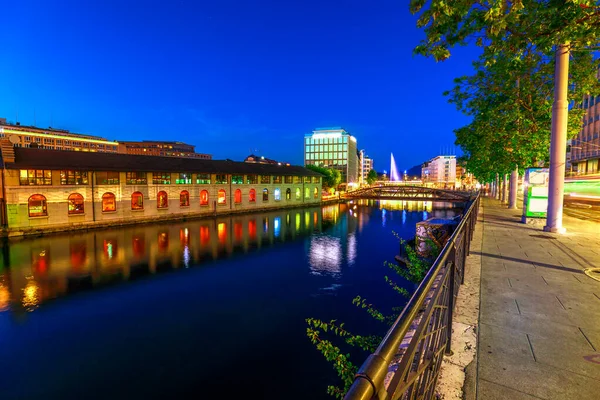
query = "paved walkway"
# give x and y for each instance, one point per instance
(539, 314)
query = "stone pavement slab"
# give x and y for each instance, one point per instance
(539, 314)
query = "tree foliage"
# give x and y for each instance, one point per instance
(331, 177)
(371, 177)
(510, 95)
(414, 272)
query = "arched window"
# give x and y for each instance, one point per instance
(277, 194)
(252, 196)
(137, 201)
(288, 194)
(109, 203)
(237, 197)
(75, 202)
(162, 199)
(316, 193)
(204, 198)
(221, 197)
(298, 193)
(307, 193)
(184, 198)
(265, 194)
(37, 206)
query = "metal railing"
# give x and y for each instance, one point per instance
(407, 362)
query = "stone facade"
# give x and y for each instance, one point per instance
(57, 216)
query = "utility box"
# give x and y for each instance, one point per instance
(535, 195)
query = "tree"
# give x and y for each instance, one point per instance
(331, 177)
(510, 96)
(371, 177)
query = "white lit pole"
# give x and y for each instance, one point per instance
(512, 196)
(558, 141)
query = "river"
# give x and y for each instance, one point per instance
(197, 308)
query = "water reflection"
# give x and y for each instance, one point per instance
(325, 255)
(31, 274)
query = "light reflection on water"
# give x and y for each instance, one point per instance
(36, 270)
(325, 255)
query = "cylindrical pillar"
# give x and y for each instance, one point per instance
(498, 187)
(558, 141)
(514, 181)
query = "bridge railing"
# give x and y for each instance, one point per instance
(406, 364)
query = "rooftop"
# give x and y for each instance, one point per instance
(31, 158)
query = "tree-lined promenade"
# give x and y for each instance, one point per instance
(518, 95)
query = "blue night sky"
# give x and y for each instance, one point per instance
(231, 77)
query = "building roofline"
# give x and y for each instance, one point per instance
(31, 158)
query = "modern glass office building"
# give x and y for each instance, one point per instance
(333, 148)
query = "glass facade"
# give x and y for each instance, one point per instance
(332, 148)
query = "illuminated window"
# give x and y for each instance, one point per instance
(251, 179)
(162, 199)
(265, 194)
(289, 179)
(204, 198)
(277, 179)
(297, 179)
(203, 179)
(37, 206)
(109, 202)
(107, 178)
(75, 202)
(73, 178)
(298, 193)
(265, 179)
(137, 201)
(252, 196)
(221, 179)
(237, 196)
(316, 179)
(316, 193)
(306, 193)
(136, 178)
(35, 177)
(277, 194)
(237, 179)
(184, 179)
(307, 179)
(184, 199)
(288, 194)
(161, 178)
(221, 197)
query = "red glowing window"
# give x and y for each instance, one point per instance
(204, 198)
(252, 196)
(237, 196)
(137, 201)
(162, 200)
(109, 202)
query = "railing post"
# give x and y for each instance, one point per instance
(451, 283)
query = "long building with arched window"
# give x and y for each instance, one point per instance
(46, 190)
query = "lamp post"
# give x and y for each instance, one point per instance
(558, 142)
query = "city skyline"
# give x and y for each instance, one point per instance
(211, 75)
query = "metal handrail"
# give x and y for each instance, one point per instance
(369, 380)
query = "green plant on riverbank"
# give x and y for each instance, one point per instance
(414, 271)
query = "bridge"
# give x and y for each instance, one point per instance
(405, 192)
